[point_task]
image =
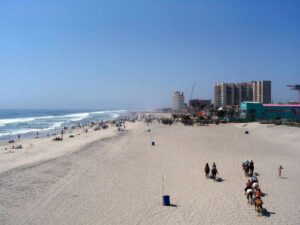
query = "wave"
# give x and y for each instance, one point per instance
(31, 130)
(76, 116)
(4, 122)
(72, 117)
(28, 125)
(109, 111)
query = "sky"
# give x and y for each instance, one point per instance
(132, 54)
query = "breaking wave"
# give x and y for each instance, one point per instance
(30, 125)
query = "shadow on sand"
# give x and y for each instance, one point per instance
(266, 213)
(154, 145)
(219, 179)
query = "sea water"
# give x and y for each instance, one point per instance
(29, 122)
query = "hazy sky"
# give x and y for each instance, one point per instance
(134, 54)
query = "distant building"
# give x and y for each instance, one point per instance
(254, 111)
(235, 93)
(199, 103)
(232, 93)
(178, 101)
(244, 92)
(261, 91)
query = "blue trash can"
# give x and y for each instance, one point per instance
(166, 200)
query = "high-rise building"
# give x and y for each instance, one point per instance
(261, 91)
(244, 92)
(218, 95)
(232, 93)
(235, 93)
(178, 101)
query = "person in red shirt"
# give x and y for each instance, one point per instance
(258, 193)
(248, 185)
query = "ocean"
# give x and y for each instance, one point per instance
(28, 122)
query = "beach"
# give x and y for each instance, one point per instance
(112, 177)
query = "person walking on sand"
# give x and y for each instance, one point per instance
(279, 170)
(207, 170)
(214, 165)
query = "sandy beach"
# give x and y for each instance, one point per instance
(111, 177)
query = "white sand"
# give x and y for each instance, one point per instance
(91, 181)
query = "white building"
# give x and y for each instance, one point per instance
(178, 101)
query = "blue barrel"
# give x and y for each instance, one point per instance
(153, 143)
(166, 200)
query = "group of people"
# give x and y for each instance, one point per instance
(213, 171)
(57, 139)
(11, 141)
(252, 189)
(248, 168)
(13, 146)
(252, 185)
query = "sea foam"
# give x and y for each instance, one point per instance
(46, 123)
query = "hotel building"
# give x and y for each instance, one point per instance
(235, 93)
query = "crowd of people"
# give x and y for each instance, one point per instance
(81, 127)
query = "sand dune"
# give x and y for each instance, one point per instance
(117, 179)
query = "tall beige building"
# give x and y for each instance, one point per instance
(232, 93)
(261, 91)
(235, 93)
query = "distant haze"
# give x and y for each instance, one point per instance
(134, 54)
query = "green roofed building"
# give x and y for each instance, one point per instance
(253, 111)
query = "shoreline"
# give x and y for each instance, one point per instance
(36, 149)
(41, 124)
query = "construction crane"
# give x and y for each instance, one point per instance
(192, 90)
(295, 87)
(191, 95)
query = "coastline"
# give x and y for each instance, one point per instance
(44, 148)
(42, 123)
